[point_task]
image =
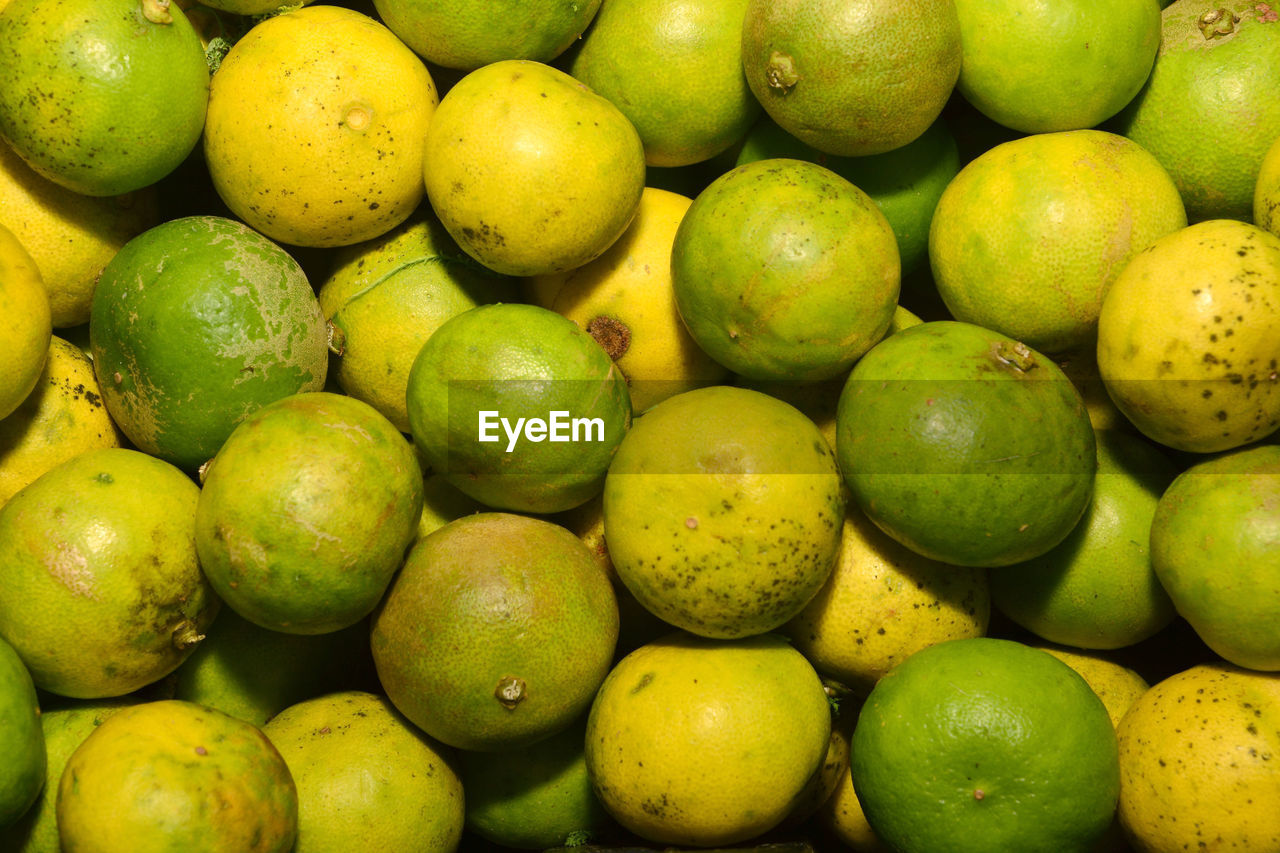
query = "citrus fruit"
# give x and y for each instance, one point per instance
(70, 236)
(249, 7)
(905, 183)
(62, 731)
(316, 125)
(985, 744)
(479, 34)
(442, 502)
(706, 742)
(21, 739)
(101, 96)
(1206, 98)
(366, 778)
(171, 775)
(782, 269)
(1097, 589)
(529, 170)
(102, 590)
(817, 400)
(496, 632)
(624, 299)
(674, 68)
(1266, 193)
(63, 417)
(1214, 539)
(518, 407)
(1200, 746)
(385, 297)
(1187, 337)
(306, 511)
(841, 815)
(197, 323)
(1081, 367)
(797, 57)
(254, 673)
(1117, 686)
(535, 797)
(1059, 214)
(1054, 67)
(924, 442)
(882, 603)
(722, 510)
(24, 322)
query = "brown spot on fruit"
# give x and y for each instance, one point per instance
(613, 336)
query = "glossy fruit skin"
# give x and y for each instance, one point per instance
(21, 740)
(965, 445)
(24, 322)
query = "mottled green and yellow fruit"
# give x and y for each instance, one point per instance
(21, 740)
(25, 325)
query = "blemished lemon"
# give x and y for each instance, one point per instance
(317, 120)
(1266, 193)
(25, 323)
(1118, 686)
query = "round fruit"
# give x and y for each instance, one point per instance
(496, 632)
(467, 37)
(723, 511)
(102, 589)
(1096, 589)
(985, 744)
(624, 299)
(196, 324)
(317, 120)
(517, 407)
(1266, 193)
(1187, 337)
(306, 512)
(1052, 67)
(171, 775)
(101, 96)
(385, 297)
(25, 326)
(366, 778)
(925, 443)
(247, 7)
(1201, 745)
(1059, 214)
(69, 236)
(882, 603)
(529, 170)
(1117, 686)
(1204, 112)
(797, 56)
(782, 269)
(674, 68)
(1215, 545)
(62, 418)
(21, 740)
(704, 742)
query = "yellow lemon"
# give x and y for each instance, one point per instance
(25, 326)
(1118, 686)
(1266, 192)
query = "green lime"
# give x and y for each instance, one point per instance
(22, 773)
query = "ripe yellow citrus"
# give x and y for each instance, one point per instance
(1266, 193)
(1118, 686)
(25, 325)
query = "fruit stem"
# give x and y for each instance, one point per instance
(1017, 355)
(157, 11)
(185, 635)
(781, 72)
(1217, 23)
(510, 691)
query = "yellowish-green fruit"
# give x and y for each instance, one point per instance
(817, 400)
(1207, 94)
(1266, 193)
(1117, 686)
(170, 775)
(624, 299)
(1055, 66)
(25, 326)
(882, 603)
(306, 512)
(1097, 589)
(1215, 546)
(985, 744)
(70, 236)
(1059, 215)
(22, 773)
(102, 591)
(705, 742)
(62, 417)
(63, 730)
(317, 119)
(722, 510)
(1081, 367)
(826, 779)
(385, 297)
(467, 37)
(1201, 746)
(797, 56)
(842, 814)
(529, 170)
(1187, 337)
(782, 269)
(366, 778)
(674, 68)
(248, 7)
(496, 632)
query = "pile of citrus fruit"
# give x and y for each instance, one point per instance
(777, 425)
